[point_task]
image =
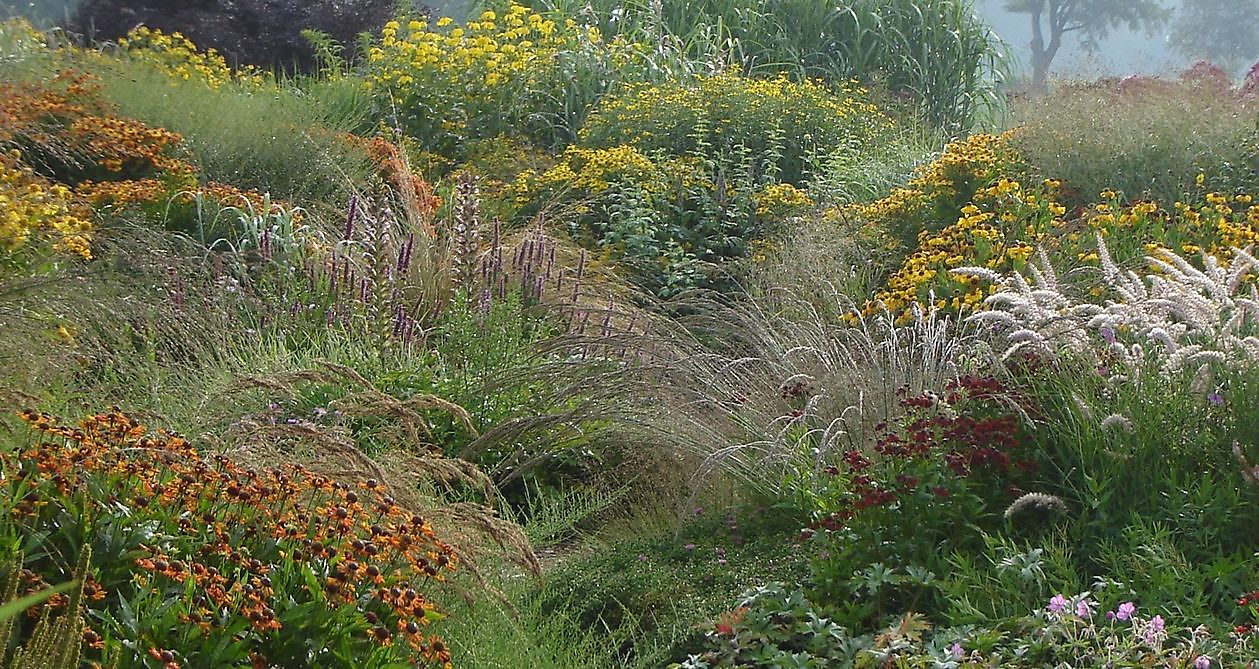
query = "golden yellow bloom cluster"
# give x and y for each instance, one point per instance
(19, 37)
(491, 48)
(452, 73)
(997, 230)
(1003, 224)
(635, 116)
(180, 59)
(592, 171)
(32, 206)
(938, 190)
(780, 200)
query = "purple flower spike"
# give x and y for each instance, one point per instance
(1215, 398)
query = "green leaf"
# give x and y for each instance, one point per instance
(16, 607)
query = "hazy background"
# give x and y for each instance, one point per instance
(1125, 52)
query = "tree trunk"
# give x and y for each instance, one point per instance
(1042, 54)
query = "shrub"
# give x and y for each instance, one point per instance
(660, 585)
(215, 564)
(789, 123)
(1003, 222)
(676, 179)
(178, 58)
(936, 478)
(518, 74)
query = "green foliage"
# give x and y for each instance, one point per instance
(1170, 463)
(936, 52)
(522, 633)
(52, 643)
(775, 627)
(674, 179)
(1146, 139)
(660, 586)
(937, 479)
(512, 72)
(791, 122)
(277, 140)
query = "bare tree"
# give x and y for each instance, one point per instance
(1091, 19)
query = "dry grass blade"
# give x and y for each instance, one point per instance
(411, 427)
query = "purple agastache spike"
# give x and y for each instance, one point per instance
(350, 216)
(401, 266)
(538, 286)
(362, 292)
(265, 245)
(483, 305)
(606, 329)
(410, 250)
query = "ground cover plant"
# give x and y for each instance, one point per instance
(651, 335)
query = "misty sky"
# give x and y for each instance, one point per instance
(1124, 53)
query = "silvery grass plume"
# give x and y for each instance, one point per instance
(1183, 316)
(769, 389)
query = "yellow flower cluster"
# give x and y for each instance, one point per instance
(30, 205)
(18, 37)
(1006, 221)
(634, 117)
(593, 171)
(998, 230)
(781, 199)
(448, 70)
(493, 49)
(939, 188)
(180, 59)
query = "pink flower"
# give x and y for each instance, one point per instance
(1083, 609)
(1203, 662)
(957, 651)
(1057, 604)
(1154, 632)
(1125, 611)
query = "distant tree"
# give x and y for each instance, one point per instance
(1091, 19)
(1225, 32)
